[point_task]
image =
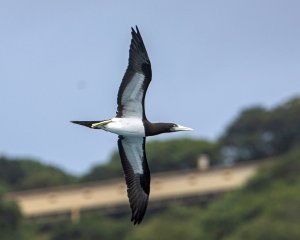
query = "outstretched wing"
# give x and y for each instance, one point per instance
(137, 174)
(133, 88)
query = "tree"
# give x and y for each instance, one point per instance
(90, 228)
(259, 133)
(22, 174)
(10, 218)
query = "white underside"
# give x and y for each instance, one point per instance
(125, 127)
(133, 147)
(132, 97)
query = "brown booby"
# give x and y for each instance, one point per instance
(132, 126)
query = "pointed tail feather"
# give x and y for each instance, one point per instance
(90, 124)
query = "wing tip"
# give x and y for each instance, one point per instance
(139, 211)
(137, 219)
(136, 30)
(137, 46)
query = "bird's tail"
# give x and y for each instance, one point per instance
(92, 124)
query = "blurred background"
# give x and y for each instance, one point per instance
(228, 69)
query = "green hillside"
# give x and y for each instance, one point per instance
(266, 208)
(20, 174)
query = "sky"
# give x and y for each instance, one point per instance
(64, 60)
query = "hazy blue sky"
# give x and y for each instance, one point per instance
(64, 60)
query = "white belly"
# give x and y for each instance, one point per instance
(126, 127)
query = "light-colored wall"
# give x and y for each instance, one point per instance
(113, 193)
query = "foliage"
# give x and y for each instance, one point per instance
(266, 207)
(10, 219)
(22, 174)
(260, 133)
(112, 169)
(266, 211)
(175, 154)
(10, 215)
(178, 154)
(90, 227)
(177, 222)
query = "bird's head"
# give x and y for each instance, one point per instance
(158, 128)
(176, 128)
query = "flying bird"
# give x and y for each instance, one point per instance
(132, 126)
